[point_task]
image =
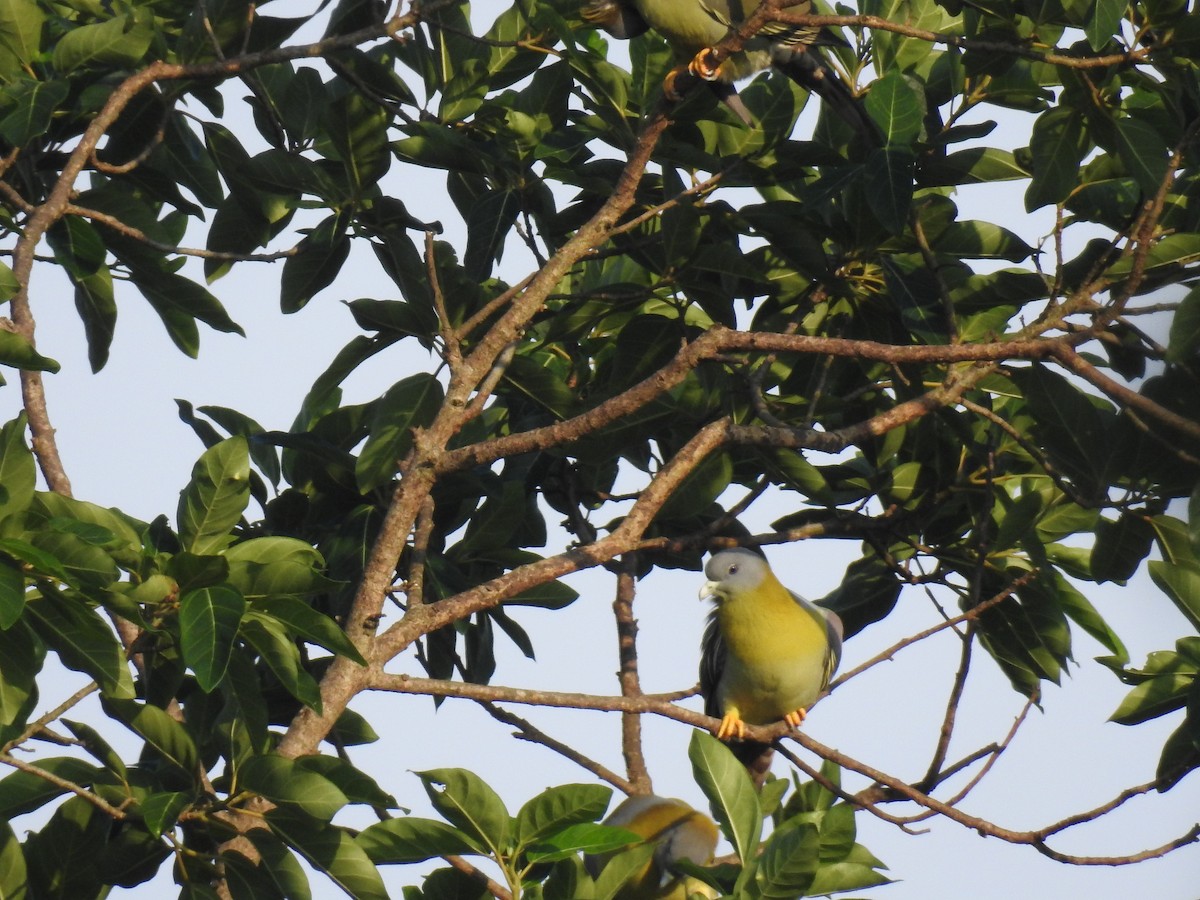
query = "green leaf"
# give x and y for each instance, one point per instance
(17, 352)
(728, 788)
(275, 566)
(1068, 423)
(408, 404)
(557, 808)
(888, 181)
(356, 785)
(317, 262)
(8, 283)
(121, 41)
(1155, 697)
(20, 33)
(1103, 22)
(1144, 153)
(1180, 755)
(833, 878)
(620, 868)
(1120, 547)
(84, 561)
(1181, 582)
(14, 881)
(974, 239)
(213, 502)
(35, 104)
(208, 624)
(161, 811)
(489, 222)
(897, 107)
(1170, 250)
(592, 839)
(92, 741)
(277, 649)
(22, 792)
(789, 862)
(21, 657)
(1184, 341)
(1193, 523)
(412, 839)
(160, 731)
(1057, 146)
(356, 128)
(699, 488)
(330, 850)
(976, 165)
(1083, 614)
(290, 784)
(467, 802)
(18, 473)
(83, 641)
(551, 595)
(305, 622)
(279, 874)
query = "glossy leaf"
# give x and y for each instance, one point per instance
(14, 881)
(729, 791)
(17, 471)
(22, 792)
(1181, 582)
(288, 783)
(1103, 22)
(277, 649)
(330, 850)
(789, 862)
(215, 498)
(208, 623)
(159, 730)
(305, 622)
(21, 31)
(468, 803)
(83, 641)
(1058, 144)
(1184, 342)
(408, 404)
(17, 352)
(887, 180)
(35, 102)
(160, 811)
(411, 839)
(122, 40)
(559, 807)
(318, 260)
(896, 108)
(21, 659)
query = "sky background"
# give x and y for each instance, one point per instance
(123, 445)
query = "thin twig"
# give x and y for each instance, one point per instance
(527, 731)
(631, 723)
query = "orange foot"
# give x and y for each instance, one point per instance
(796, 717)
(676, 83)
(731, 726)
(705, 65)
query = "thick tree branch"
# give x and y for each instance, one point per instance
(659, 704)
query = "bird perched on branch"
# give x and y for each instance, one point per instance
(680, 833)
(694, 27)
(766, 654)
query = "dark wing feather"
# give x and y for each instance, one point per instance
(618, 17)
(833, 631)
(807, 69)
(712, 665)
